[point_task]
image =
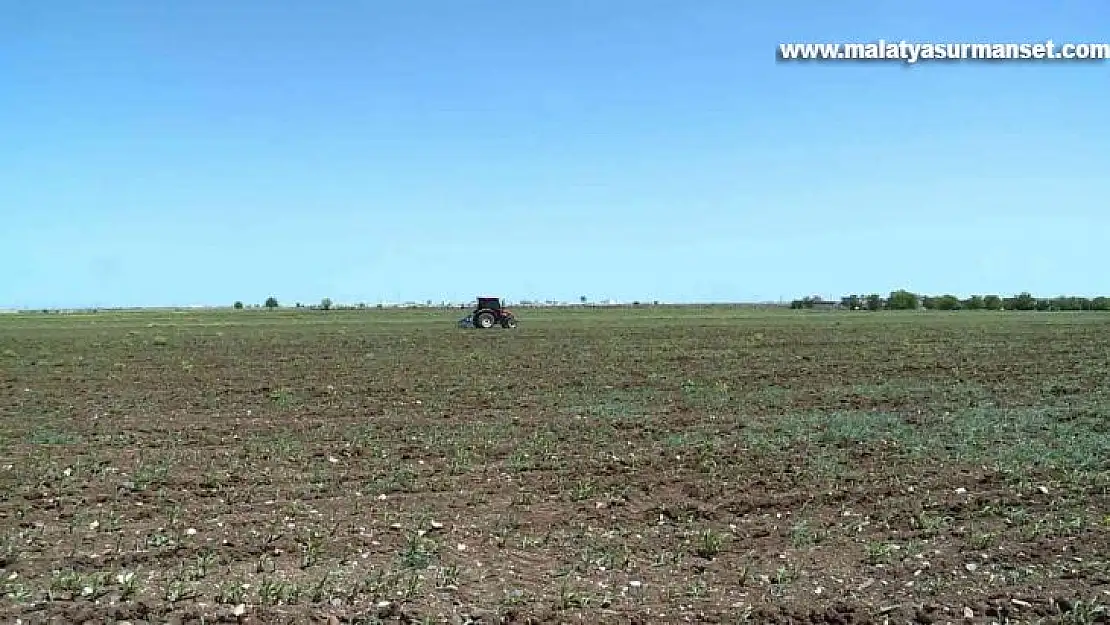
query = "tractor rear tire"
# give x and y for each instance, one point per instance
(483, 320)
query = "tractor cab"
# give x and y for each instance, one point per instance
(489, 303)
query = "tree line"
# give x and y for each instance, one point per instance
(271, 302)
(906, 300)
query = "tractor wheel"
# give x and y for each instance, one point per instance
(484, 320)
(508, 322)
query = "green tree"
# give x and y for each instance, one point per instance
(975, 302)
(1024, 301)
(1100, 303)
(852, 302)
(902, 300)
(1069, 303)
(271, 302)
(325, 303)
(992, 302)
(948, 302)
(874, 302)
(238, 306)
(807, 302)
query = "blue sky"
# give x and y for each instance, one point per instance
(204, 152)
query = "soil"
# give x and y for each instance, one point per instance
(603, 467)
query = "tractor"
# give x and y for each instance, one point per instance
(488, 313)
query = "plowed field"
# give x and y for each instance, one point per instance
(629, 466)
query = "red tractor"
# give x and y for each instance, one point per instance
(487, 313)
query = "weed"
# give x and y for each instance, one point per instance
(709, 543)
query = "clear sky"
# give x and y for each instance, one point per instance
(202, 152)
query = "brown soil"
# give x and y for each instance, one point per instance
(620, 468)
